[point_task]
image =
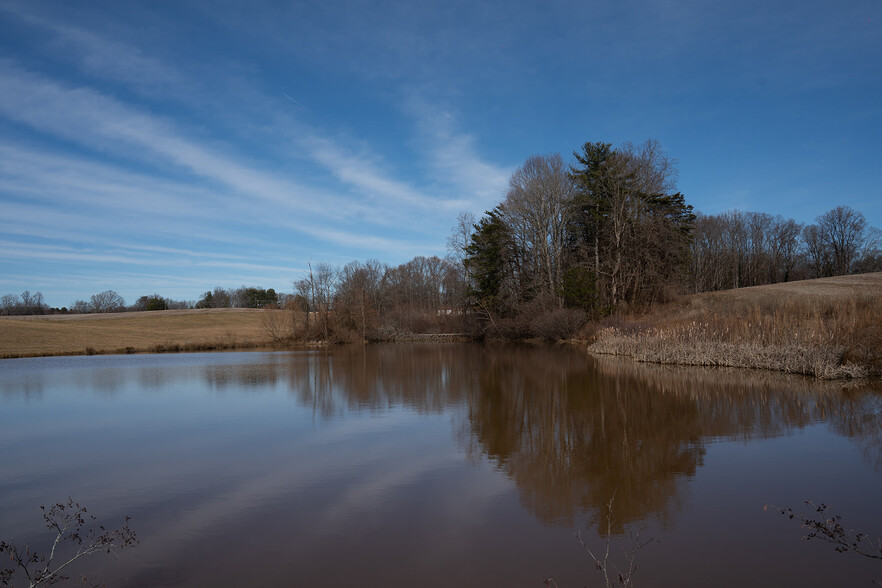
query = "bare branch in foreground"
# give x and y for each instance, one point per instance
(613, 574)
(77, 534)
(828, 528)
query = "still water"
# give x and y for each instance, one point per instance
(438, 465)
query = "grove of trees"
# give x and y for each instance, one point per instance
(27, 303)
(607, 231)
(611, 232)
(244, 297)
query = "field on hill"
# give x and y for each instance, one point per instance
(829, 328)
(132, 332)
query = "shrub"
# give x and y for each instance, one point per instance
(557, 324)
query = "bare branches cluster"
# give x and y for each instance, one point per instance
(27, 303)
(77, 535)
(827, 526)
(370, 301)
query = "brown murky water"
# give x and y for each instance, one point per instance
(438, 465)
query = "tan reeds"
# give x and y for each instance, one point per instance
(801, 332)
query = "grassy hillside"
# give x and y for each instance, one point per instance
(130, 332)
(829, 328)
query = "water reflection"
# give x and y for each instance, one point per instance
(461, 461)
(571, 430)
(425, 378)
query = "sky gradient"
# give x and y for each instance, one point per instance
(171, 147)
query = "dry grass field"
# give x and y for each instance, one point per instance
(828, 328)
(134, 332)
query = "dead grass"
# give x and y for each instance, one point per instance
(134, 332)
(828, 328)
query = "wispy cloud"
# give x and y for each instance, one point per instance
(94, 119)
(108, 126)
(99, 56)
(455, 158)
(364, 173)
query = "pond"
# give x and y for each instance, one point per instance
(438, 465)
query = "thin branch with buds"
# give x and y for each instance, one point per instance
(828, 528)
(613, 575)
(72, 524)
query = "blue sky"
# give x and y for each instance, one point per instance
(172, 147)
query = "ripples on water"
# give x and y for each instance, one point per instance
(437, 465)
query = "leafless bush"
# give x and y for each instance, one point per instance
(517, 327)
(557, 324)
(279, 326)
(605, 562)
(77, 535)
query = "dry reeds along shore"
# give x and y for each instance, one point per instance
(828, 328)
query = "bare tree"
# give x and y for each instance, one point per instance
(785, 246)
(80, 307)
(871, 253)
(615, 574)
(710, 254)
(107, 301)
(461, 235)
(623, 202)
(843, 232)
(28, 303)
(8, 304)
(317, 288)
(536, 209)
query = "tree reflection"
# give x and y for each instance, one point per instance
(571, 430)
(425, 378)
(858, 416)
(572, 437)
(575, 431)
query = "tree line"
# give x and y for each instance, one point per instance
(110, 301)
(737, 249)
(570, 241)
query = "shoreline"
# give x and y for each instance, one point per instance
(816, 363)
(829, 328)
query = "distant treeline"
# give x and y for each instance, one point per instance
(569, 242)
(737, 249)
(111, 301)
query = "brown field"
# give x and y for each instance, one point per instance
(134, 332)
(828, 328)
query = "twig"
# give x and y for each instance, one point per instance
(829, 529)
